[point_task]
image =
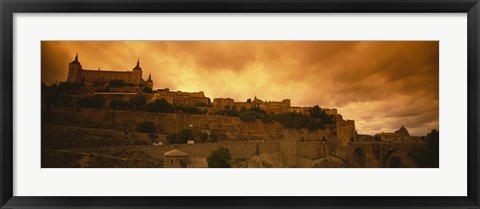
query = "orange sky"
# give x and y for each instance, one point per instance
(381, 85)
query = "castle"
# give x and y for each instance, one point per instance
(276, 107)
(91, 78)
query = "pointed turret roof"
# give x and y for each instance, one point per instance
(150, 77)
(138, 65)
(75, 61)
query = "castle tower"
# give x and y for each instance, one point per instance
(74, 71)
(137, 74)
(149, 82)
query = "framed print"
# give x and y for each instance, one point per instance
(261, 104)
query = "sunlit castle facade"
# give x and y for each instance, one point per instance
(76, 74)
(276, 107)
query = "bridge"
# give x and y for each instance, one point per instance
(381, 154)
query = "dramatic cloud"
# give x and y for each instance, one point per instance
(379, 84)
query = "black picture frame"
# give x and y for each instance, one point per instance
(9, 7)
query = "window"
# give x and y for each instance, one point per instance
(172, 161)
(181, 161)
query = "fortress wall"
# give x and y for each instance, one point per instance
(327, 133)
(292, 134)
(346, 132)
(310, 150)
(237, 150)
(311, 147)
(310, 135)
(269, 147)
(57, 137)
(318, 135)
(166, 122)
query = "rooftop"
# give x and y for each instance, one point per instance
(175, 153)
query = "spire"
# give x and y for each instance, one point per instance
(150, 77)
(255, 96)
(75, 61)
(138, 65)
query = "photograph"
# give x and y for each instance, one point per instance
(239, 104)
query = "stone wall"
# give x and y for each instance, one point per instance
(132, 145)
(237, 150)
(167, 123)
(311, 149)
(346, 134)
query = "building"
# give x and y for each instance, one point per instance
(402, 131)
(276, 107)
(181, 98)
(306, 110)
(149, 82)
(301, 110)
(328, 111)
(399, 135)
(223, 103)
(89, 78)
(175, 159)
(269, 107)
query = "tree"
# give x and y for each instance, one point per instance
(204, 137)
(116, 83)
(153, 137)
(147, 127)
(247, 116)
(147, 90)
(118, 104)
(213, 137)
(267, 118)
(428, 157)
(96, 101)
(190, 110)
(138, 101)
(172, 138)
(184, 136)
(159, 105)
(316, 112)
(219, 158)
(249, 100)
(68, 87)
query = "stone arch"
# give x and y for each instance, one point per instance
(339, 158)
(387, 156)
(360, 156)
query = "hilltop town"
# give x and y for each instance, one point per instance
(102, 118)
